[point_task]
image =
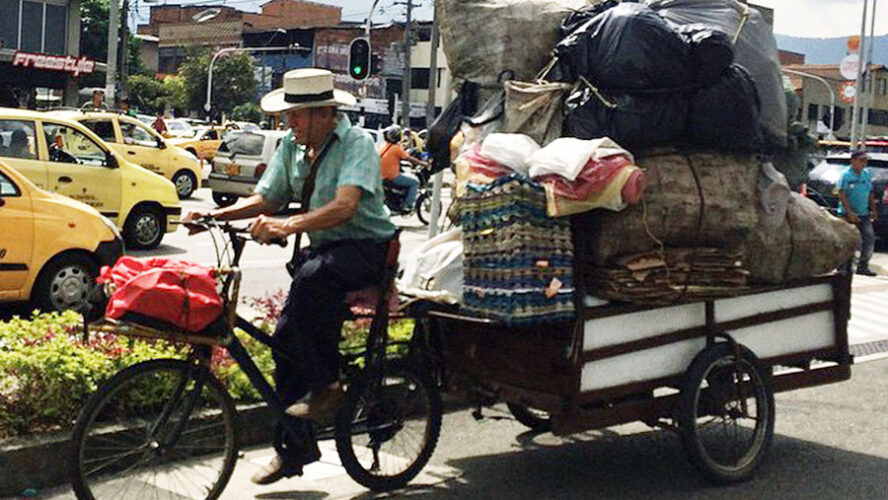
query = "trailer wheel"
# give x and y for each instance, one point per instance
(533, 419)
(726, 413)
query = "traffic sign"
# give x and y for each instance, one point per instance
(853, 44)
(847, 91)
(849, 66)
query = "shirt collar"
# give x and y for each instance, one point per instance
(343, 125)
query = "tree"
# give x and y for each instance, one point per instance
(176, 94)
(146, 93)
(94, 40)
(248, 112)
(233, 80)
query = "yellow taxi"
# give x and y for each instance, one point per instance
(58, 246)
(142, 145)
(65, 157)
(203, 144)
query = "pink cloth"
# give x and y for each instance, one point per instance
(594, 178)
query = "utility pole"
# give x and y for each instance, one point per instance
(438, 179)
(855, 110)
(124, 52)
(869, 74)
(113, 38)
(405, 81)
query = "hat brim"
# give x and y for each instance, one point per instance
(273, 102)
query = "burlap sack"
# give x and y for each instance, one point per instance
(535, 109)
(678, 187)
(808, 243)
(483, 38)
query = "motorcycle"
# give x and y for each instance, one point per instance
(396, 196)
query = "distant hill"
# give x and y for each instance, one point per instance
(829, 50)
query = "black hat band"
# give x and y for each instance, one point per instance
(300, 98)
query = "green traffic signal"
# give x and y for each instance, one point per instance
(359, 58)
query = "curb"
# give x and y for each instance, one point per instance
(41, 461)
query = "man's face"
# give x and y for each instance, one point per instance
(98, 96)
(310, 125)
(858, 163)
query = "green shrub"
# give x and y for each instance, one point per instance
(47, 372)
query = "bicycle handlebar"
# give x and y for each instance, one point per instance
(206, 223)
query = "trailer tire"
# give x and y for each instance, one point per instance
(533, 419)
(711, 394)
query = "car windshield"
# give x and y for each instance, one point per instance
(242, 143)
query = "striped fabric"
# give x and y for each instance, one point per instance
(518, 261)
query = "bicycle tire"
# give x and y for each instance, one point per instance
(709, 452)
(384, 423)
(121, 422)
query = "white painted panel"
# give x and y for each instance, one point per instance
(650, 364)
(750, 305)
(804, 333)
(623, 328)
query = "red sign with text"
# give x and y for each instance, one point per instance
(69, 64)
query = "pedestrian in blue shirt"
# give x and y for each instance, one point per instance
(858, 207)
(349, 229)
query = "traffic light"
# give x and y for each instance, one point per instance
(359, 59)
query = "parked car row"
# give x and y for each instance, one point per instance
(71, 196)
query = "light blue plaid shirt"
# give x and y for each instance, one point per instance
(351, 161)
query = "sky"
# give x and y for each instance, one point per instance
(803, 18)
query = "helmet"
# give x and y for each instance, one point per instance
(392, 133)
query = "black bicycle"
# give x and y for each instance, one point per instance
(168, 427)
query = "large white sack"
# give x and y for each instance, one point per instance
(511, 150)
(568, 155)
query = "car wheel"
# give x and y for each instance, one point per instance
(64, 283)
(185, 183)
(224, 199)
(144, 228)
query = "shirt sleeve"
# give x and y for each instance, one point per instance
(402, 155)
(360, 165)
(275, 182)
(843, 181)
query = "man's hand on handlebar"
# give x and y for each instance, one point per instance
(192, 217)
(270, 230)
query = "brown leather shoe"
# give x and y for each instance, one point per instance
(272, 472)
(320, 406)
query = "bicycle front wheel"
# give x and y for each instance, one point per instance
(161, 428)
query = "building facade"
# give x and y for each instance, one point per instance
(816, 100)
(40, 49)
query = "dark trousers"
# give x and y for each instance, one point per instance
(311, 322)
(867, 240)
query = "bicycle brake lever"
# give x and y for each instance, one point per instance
(281, 242)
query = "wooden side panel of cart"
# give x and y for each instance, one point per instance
(603, 369)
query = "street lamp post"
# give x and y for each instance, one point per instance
(832, 97)
(229, 50)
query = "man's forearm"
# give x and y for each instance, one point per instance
(245, 208)
(330, 215)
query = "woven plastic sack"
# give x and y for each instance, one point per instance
(177, 292)
(809, 242)
(693, 200)
(535, 109)
(483, 38)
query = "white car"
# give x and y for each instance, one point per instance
(179, 128)
(240, 162)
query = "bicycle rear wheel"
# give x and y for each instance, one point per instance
(388, 427)
(161, 428)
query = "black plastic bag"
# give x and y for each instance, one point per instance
(626, 47)
(727, 115)
(447, 124)
(632, 120)
(711, 52)
(579, 17)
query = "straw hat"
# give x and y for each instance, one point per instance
(306, 88)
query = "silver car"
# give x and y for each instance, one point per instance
(240, 162)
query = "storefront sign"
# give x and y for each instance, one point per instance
(69, 64)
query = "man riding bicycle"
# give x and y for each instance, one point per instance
(349, 230)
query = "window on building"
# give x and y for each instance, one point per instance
(813, 112)
(32, 21)
(56, 29)
(419, 78)
(9, 27)
(878, 117)
(882, 86)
